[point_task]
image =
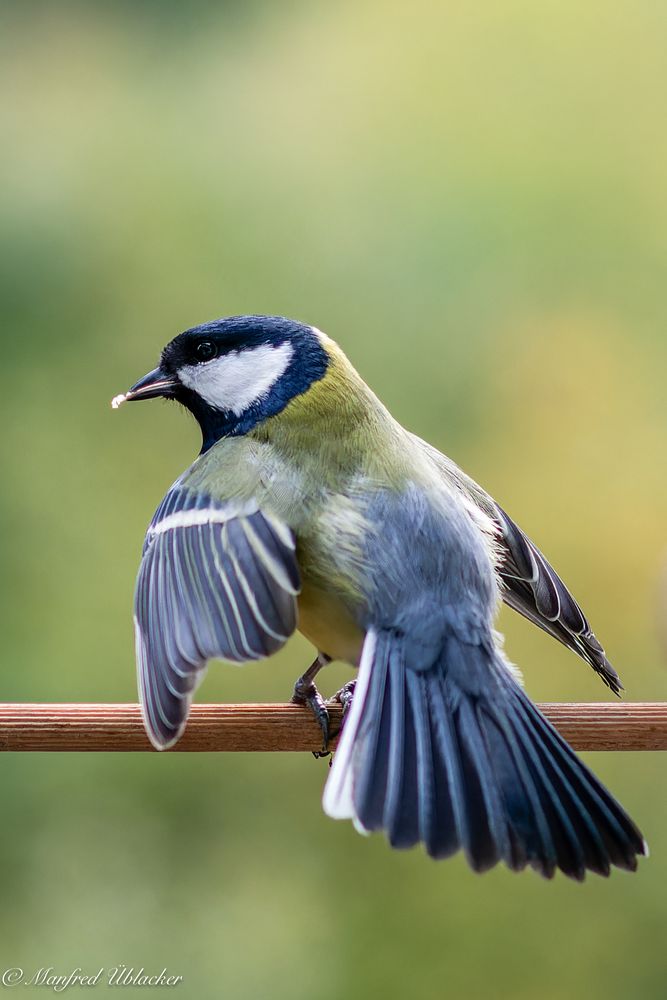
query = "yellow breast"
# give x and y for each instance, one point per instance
(326, 622)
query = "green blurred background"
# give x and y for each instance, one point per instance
(471, 199)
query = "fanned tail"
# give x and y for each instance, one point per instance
(458, 756)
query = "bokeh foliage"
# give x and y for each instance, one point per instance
(472, 200)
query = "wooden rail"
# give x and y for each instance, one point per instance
(279, 727)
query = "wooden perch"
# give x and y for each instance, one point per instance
(271, 727)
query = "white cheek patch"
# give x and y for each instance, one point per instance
(237, 380)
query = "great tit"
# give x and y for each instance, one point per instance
(310, 507)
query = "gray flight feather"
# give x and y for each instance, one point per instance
(216, 580)
(530, 585)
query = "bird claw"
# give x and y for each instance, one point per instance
(343, 697)
(305, 693)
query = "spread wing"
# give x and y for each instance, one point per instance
(530, 585)
(216, 580)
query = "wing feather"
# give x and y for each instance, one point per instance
(541, 596)
(216, 580)
(530, 585)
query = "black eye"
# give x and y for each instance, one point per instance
(205, 350)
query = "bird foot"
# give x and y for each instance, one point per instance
(305, 693)
(343, 697)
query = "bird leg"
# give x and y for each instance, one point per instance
(305, 693)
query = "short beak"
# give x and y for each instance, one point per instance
(156, 383)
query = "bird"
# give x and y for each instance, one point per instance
(310, 507)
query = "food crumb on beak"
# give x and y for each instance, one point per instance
(117, 401)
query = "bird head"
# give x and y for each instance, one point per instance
(235, 372)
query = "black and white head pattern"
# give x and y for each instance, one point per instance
(235, 372)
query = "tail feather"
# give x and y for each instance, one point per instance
(562, 841)
(535, 832)
(371, 785)
(397, 774)
(491, 843)
(403, 807)
(437, 821)
(459, 757)
(471, 818)
(614, 832)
